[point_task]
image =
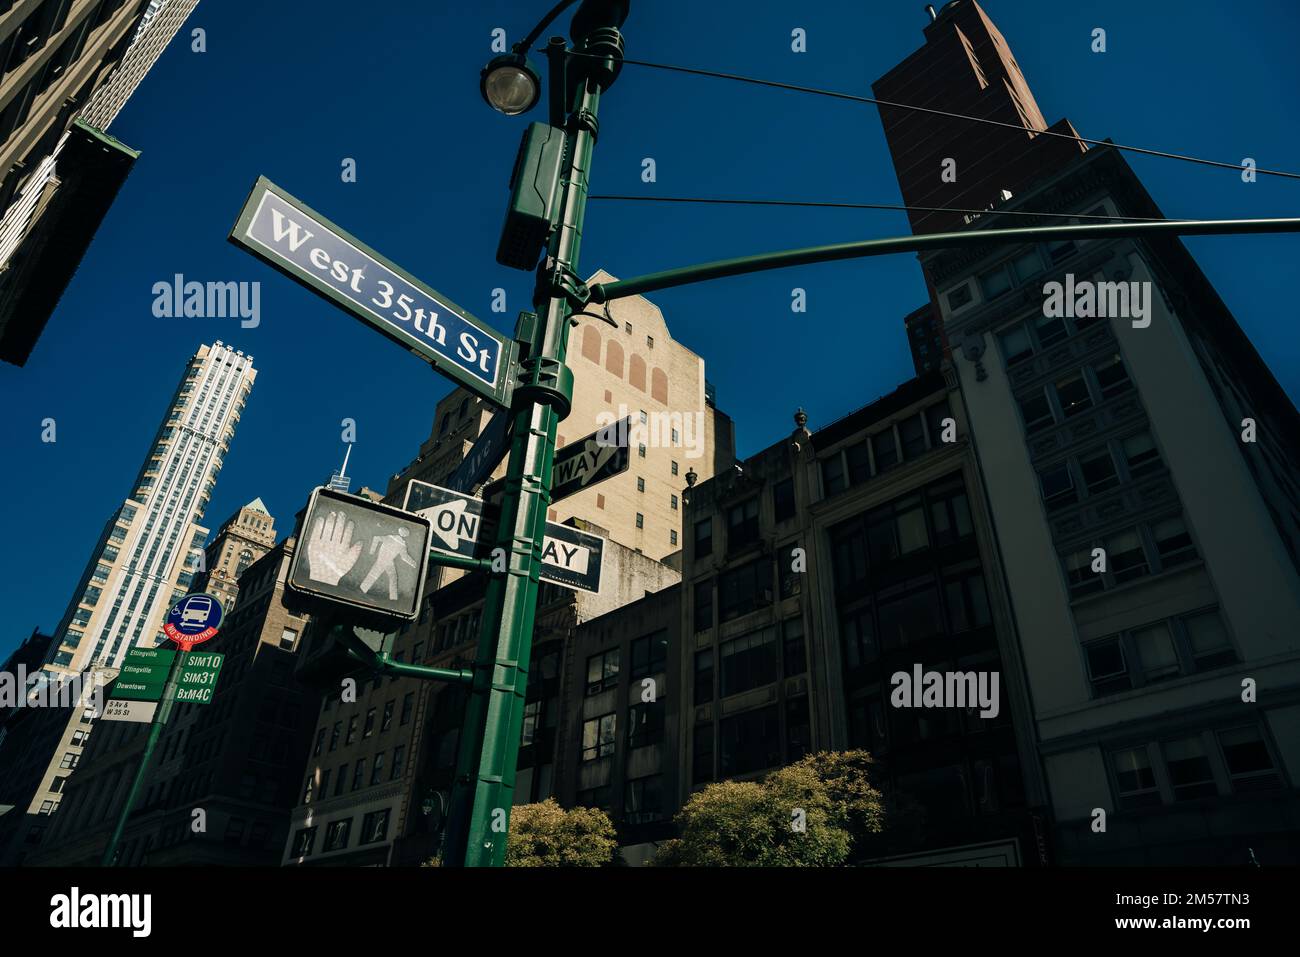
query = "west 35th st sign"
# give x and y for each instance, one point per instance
(307, 247)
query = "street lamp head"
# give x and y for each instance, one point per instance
(510, 84)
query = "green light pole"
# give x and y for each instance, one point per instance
(483, 790)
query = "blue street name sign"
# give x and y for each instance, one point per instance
(484, 456)
(308, 248)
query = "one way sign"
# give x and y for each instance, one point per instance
(569, 557)
(592, 459)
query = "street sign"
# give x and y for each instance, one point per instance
(569, 557)
(198, 677)
(193, 620)
(591, 459)
(361, 553)
(308, 248)
(127, 710)
(143, 674)
(484, 456)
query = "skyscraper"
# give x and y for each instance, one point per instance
(244, 538)
(149, 550)
(60, 171)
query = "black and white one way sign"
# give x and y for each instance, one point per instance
(569, 557)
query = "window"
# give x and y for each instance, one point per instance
(374, 827)
(598, 736)
(377, 769)
(672, 536)
(640, 520)
(640, 484)
(789, 580)
(1207, 641)
(1111, 377)
(399, 757)
(959, 297)
(1189, 770)
(908, 613)
(783, 499)
(320, 742)
(387, 722)
(336, 834)
(640, 450)
(672, 502)
(1026, 264)
(1106, 668)
(370, 723)
(674, 468)
(352, 730)
(69, 760)
(857, 635)
(1173, 543)
(408, 704)
(833, 478)
(742, 523)
(912, 433)
(1099, 473)
(1246, 757)
(704, 676)
(602, 672)
(1156, 654)
(645, 724)
(1058, 486)
(288, 638)
(794, 652)
(1015, 344)
(1073, 393)
(751, 741)
(702, 754)
(995, 282)
(704, 537)
(341, 780)
(1080, 576)
(1133, 776)
(643, 800)
(1125, 556)
(1049, 330)
(644, 418)
(749, 661)
(1036, 412)
(885, 450)
(897, 529)
(742, 590)
(304, 841)
(703, 605)
(966, 599)
(650, 654)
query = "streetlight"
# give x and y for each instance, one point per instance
(510, 84)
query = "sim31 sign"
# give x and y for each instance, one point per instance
(361, 553)
(308, 248)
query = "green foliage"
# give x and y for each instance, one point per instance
(546, 835)
(824, 810)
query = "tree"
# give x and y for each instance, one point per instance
(824, 810)
(546, 835)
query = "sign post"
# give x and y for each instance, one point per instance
(192, 620)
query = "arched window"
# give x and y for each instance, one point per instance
(245, 559)
(659, 386)
(464, 406)
(614, 359)
(636, 372)
(591, 344)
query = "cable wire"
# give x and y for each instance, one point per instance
(795, 88)
(889, 206)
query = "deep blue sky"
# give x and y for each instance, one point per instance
(288, 89)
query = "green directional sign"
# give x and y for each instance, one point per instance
(143, 675)
(198, 677)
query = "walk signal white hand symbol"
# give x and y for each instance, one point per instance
(330, 551)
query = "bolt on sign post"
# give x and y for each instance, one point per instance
(152, 680)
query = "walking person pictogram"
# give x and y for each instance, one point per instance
(392, 548)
